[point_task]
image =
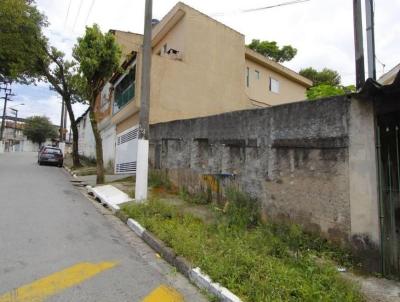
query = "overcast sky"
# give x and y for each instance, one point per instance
(321, 30)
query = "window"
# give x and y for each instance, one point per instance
(257, 74)
(52, 151)
(273, 85)
(247, 76)
(125, 90)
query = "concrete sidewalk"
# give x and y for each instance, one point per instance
(91, 179)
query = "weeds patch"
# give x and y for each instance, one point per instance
(159, 179)
(258, 262)
(197, 198)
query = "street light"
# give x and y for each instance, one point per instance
(6, 98)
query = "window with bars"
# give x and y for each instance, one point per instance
(125, 90)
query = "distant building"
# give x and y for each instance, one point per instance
(388, 77)
(13, 137)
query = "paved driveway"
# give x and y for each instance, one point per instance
(56, 245)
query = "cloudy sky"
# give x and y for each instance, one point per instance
(321, 30)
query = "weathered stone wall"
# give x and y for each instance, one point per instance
(294, 158)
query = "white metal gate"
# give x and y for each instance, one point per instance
(126, 151)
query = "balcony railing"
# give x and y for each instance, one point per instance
(123, 98)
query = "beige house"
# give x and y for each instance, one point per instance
(200, 67)
(389, 76)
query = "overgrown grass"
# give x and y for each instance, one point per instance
(159, 179)
(258, 262)
(198, 198)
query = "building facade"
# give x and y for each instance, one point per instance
(200, 67)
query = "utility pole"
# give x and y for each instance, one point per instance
(7, 94)
(15, 121)
(142, 164)
(358, 43)
(369, 10)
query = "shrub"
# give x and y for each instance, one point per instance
(159, 179)
(242, 211)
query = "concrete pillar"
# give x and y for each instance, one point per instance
(364, 206)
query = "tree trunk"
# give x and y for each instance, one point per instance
(75, 134)
(99, 147)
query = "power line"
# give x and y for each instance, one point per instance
(90, 10)
(250, 10)
(273, 6)
(77, 14)
(66, 17)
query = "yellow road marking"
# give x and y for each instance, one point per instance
(163, 293)
(55, 283)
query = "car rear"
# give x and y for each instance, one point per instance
(51, 155)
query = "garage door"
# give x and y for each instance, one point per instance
(126, 151)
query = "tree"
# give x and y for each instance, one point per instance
(271, 50)
(38, 129)
(326, 90)
(25, 56)
(62, 75)
(325, 76)
(98, 55)
(20, 26)
(326, 83)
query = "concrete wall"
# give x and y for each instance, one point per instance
(307, 162)
(364, 208)
(86, 142)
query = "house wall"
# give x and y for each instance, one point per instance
(207, 76)
(128, 123)
(108, 135)
(207, 80)
(302, 161)
(128, 42)
(86, 142)
(258, 90)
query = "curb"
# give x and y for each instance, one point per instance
(70, 171)
(114, 208)
(195, 275)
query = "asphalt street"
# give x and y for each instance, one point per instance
(57, 245)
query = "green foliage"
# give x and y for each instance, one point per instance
(325, 90)
(38, 129)
(20, 40)
(264, 263)
(98, 55)
(242, 210)
(326, 83)
(325, 76)
(159, 179)
(200, 197)
(271, 50)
